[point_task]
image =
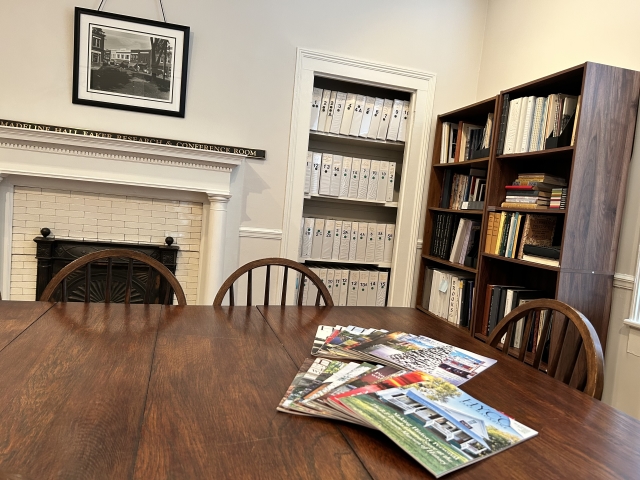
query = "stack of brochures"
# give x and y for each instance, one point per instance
(406, 386)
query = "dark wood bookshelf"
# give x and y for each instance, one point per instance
(521, 262)
(424, 310)
(474, 114)
(595, 167)
(449, 264)
(528, 210)
(477, 163)
(552, 152)
(461, 212)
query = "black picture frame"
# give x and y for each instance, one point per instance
(141, 79)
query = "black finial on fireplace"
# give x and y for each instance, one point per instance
(45, 232)
(168, 241)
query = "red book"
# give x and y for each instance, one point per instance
(520, 187)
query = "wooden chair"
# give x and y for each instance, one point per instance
(61, 279)
(563, 351)
(269, 262)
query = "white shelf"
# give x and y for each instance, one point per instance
(350, 262)
(349, 140)
(324, 198)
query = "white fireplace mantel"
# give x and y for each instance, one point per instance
(63, 156)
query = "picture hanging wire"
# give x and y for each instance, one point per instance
(161, 8)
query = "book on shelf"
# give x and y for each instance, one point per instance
(537, 123)
(371, 286)
(509, 232)
(448, 142)
(325, 239)
(538, 230)
(314, 178)
(325, 174)
(402, 128)
(383, 178)
(332, 175)
(336, 176)
(363, 186)
(558, 198)
(465, 141)
(448, 295)
(394, 383)
(307, 174)
(461, 190)
(542, 260)
(316, 100)
(391, 182)
(351, 114)
(394, 122)
(455, 239)
(338, 113)
(367, 116)
(531, 190)
(349, 105)
(374, 178)
(358, 111)
(329, 119)
(324, 108)
(385, 118)
(499, 301)
(353, 241)
(337, 235)
(375, 118)
(504, 115)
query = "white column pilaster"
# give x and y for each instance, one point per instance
(214, 248)
(6, 237)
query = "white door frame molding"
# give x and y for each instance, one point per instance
(421, 85)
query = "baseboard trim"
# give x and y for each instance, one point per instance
(624, 281)
(266, 233)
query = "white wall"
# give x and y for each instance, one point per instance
(526, 40)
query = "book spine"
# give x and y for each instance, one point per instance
(503, 123)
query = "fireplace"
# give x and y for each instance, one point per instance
(54, 254)
(94, 189)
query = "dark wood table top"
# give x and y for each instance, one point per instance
(579, 437)
(95, 391)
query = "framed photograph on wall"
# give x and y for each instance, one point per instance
(129, 63)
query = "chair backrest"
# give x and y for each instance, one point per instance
(543, 331)
(85, 261)
(269, 262)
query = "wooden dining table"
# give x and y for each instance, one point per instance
(155, 392)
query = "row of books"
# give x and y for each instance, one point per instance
(455, 239)
(358, 115)
(343, 240)
(527, 122)
(449, 295)
(405, 386)
(348, 177)
(508, 233)
(499, 301)
(349, 287)
(464, 141)
(464, 192)
(558, 198)
(532, 191)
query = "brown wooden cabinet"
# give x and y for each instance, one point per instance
(595, 167)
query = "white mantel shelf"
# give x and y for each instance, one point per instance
(158, 165)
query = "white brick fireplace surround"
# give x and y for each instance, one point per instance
(117, 190)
